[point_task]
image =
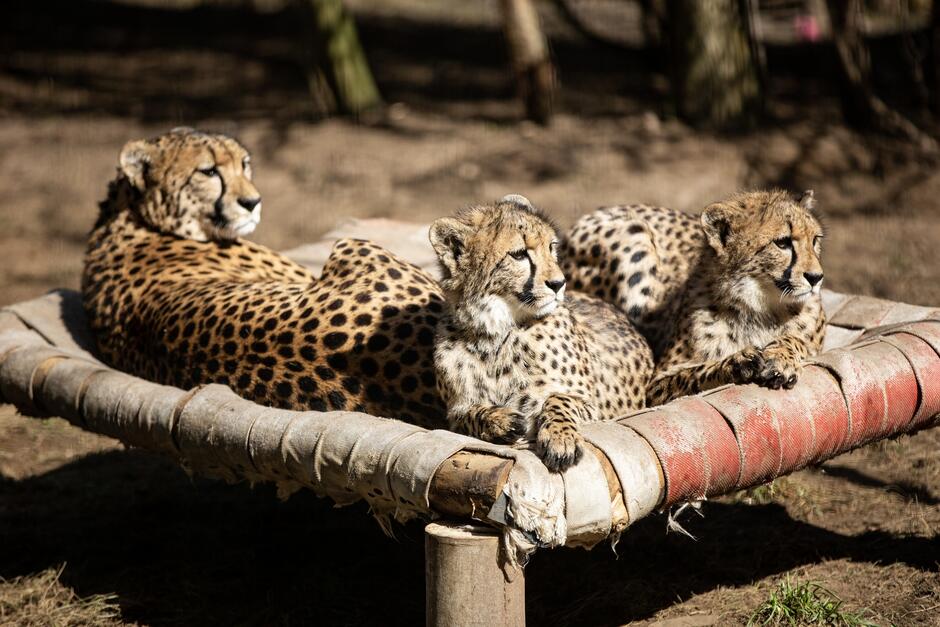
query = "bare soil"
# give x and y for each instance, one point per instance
(139, 542)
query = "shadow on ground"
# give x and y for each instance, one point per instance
(177, 551)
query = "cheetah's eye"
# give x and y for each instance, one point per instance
(210, 171)
(520, 254)
(784, 243)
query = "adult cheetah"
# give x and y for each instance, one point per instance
(730, 298)
(174, 295)
(515, 358)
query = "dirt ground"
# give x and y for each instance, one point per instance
(91, 533)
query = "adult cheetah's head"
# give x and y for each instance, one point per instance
(500, 261)
(767, 244)
(192, 184)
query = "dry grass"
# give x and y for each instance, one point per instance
(42, 600)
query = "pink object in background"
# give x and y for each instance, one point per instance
(807, 27)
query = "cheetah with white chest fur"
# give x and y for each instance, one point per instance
(732, 297)
(516, 359)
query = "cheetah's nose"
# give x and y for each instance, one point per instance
(249, 203)
(813, 278)
(555, 285)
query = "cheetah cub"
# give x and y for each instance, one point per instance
(515, 358)
(730, 298)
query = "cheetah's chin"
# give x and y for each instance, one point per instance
(244, 228)
(546, 309)
(244, 225)
(800, 297)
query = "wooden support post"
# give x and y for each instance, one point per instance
(465, 581)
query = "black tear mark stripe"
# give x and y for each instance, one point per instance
(218, 201)
(789, 271)
(178, 148)
(784, 282)
(526, 295)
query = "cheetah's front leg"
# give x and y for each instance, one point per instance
(559, 443)
(775, 366)
(500, 425)
(782, 362)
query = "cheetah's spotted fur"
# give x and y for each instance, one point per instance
(515, 358)
(730, 298)
(174, 296)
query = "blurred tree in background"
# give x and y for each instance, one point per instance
(713, 53)
(529, 58)
(338, 72)
(712, 50)
(861, 106)
(716, 78)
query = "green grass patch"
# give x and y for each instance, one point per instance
(805, 603)
(781, 487)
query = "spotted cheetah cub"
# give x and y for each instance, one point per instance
(730, 298)
(514, 358)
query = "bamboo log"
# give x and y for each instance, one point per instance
(465, 582)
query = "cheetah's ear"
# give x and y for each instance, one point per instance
(447, 238)
(517, 199)
(135, 159)
(716, 222)
(808, 200)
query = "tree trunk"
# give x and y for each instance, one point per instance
(932, 70)
(336, 62)
(529, 57)
(854, 61)
(860, 105)
(655, 22)
(716, 78)
(653, 16)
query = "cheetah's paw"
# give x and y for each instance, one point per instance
(765, 368)
(559, 445)
(505, 426)
(778, 371)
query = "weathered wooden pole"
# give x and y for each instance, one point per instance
(530, 59)
(466, 583)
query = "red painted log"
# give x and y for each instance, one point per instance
(695, 446)
(740, 436)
